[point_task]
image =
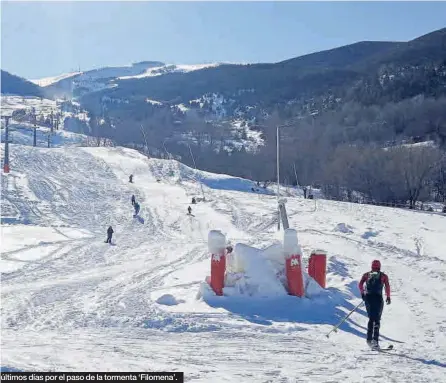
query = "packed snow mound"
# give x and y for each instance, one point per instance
(312, 288)
(168, 300)
(260, 273)
(254, 275)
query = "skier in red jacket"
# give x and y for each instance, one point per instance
(375, 280)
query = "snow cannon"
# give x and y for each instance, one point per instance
(293, 263)
(317, 267)
(217, 245)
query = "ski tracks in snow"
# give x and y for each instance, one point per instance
(84, 303)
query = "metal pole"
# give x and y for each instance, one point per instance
(195, 166)
(295, 174)
(278, 178)
(335, 328)
(278, 167)
(168, 154)
(145, 140)
(193, 159)
(35, 135)
(278, 170)
(6, 162)
(52, 122)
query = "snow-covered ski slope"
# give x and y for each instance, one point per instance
(71, 302)
(22, 133)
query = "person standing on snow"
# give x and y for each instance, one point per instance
(133, 200)
(189, 209)
(109, 235)
(375, 280)
(131, 178)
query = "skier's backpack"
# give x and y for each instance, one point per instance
(374, 283)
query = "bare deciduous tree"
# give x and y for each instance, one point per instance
(416, 164)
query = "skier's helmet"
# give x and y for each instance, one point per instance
(376, 265)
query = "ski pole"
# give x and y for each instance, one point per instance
(335, 328)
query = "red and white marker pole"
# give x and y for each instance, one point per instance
(217, 245)
(293, 257)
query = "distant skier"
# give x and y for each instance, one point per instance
(189, 209)
(133, 200)
(136, 206)
(109, 235)
(131, 178)
(194, 201)
(375, 280)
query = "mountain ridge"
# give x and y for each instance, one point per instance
(12, 84)
(370, 93)
(353, 57)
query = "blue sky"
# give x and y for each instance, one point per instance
(40, 39)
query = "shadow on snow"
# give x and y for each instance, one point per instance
(9, 369)
(430, 362)
(324, 309)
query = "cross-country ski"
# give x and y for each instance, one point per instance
(387, 348)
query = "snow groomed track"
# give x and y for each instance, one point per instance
(71, 302)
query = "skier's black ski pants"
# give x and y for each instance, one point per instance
(374, 304)
(109, 238)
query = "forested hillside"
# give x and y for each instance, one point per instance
(11, 84)
(346, 108)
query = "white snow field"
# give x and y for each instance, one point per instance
(169, 68)
(70, 302)
(11, 103)
(22, 133)
(53, 79)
